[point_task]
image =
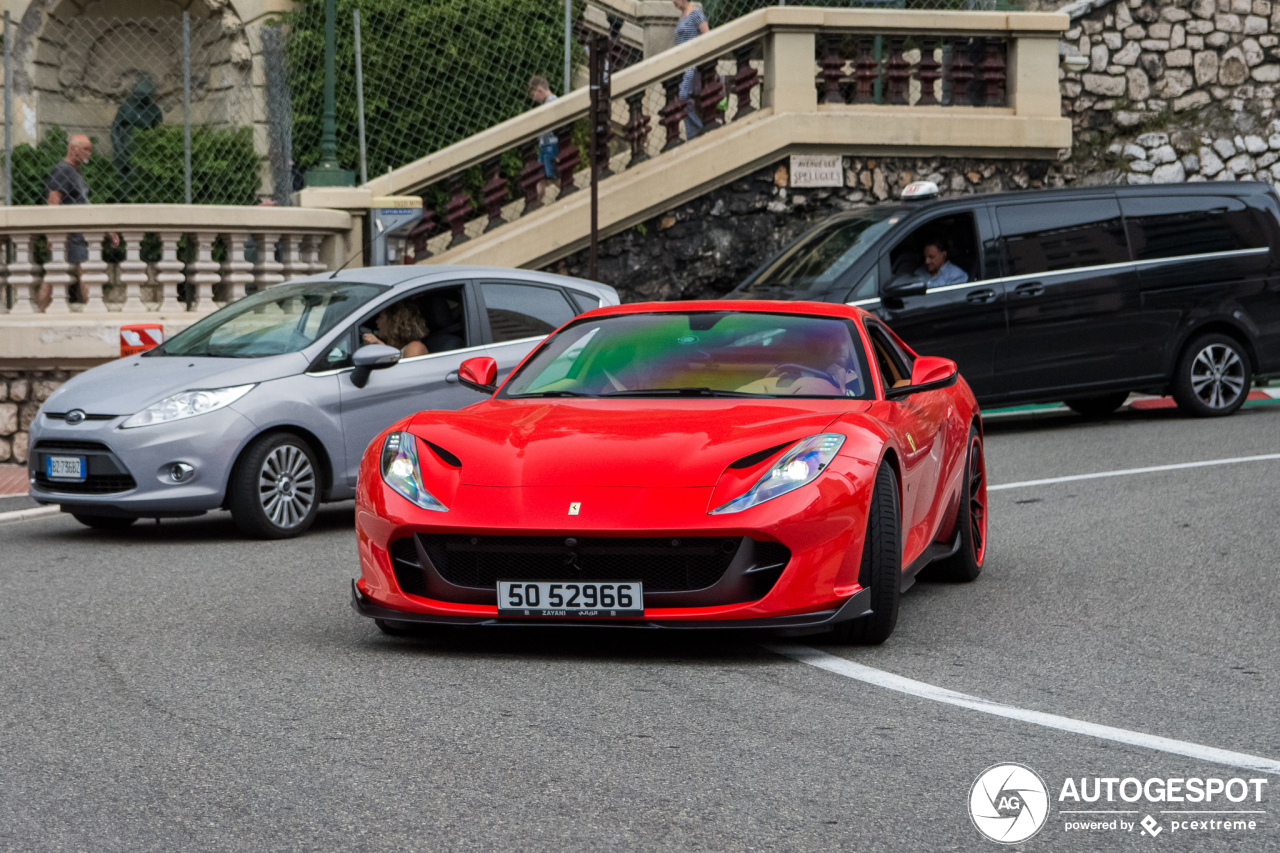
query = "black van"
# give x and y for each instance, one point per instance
(1080, 295)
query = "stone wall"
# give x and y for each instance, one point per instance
(1148, 60)
(21, 394)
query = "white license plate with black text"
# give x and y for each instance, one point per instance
(64, 467)
(571, 598)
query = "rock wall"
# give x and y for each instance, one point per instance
(1151, 59)
(21, 393)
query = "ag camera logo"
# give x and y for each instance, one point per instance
(1008, 803)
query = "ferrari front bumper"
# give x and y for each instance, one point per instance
(857, 605)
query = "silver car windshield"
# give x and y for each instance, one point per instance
(284, 318)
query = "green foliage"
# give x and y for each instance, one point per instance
(434, 72)
(224, 168)
(32, 165)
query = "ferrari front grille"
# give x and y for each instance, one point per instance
(665, 564)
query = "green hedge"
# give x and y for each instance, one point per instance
(224, 168)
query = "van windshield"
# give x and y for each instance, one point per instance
(809, 268)
(280, 319)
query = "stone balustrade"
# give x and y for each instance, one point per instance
(150, 259)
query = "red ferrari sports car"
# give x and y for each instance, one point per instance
(783, 465)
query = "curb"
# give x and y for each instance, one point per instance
(28, 514)
(1257, 396)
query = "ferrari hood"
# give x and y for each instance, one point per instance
(667, 443)
(131, 384)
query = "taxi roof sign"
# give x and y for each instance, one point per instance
(919, 191)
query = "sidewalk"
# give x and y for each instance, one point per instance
(13, 480)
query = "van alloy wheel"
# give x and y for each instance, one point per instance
(1213, 376)
(1218, 376)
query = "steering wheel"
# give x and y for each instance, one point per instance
(781, 370)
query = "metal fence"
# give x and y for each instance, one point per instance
(177, 113)
(168, 103)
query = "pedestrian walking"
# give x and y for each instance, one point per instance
(692, 24)
(67, 186)
(548, 145)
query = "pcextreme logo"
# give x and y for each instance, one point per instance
(1008, 803)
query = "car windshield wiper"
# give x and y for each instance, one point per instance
(555, 394)
(701, 391)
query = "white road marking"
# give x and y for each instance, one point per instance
(889, 681)
(25, 514)
(1128, 471)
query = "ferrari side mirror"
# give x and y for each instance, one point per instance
(370, 358)
(929, 373)
(479, 374)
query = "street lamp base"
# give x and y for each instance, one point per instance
(330, 176)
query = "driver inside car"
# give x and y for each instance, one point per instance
(831, 370)
(937, 269)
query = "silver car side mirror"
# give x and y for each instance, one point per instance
(370, 358)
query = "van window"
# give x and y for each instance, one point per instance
(956, 235)
(1163, 227)
(1062, 235)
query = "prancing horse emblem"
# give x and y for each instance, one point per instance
(574, 507)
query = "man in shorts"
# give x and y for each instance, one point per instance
(67, 186)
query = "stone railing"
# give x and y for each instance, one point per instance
(778, 80)
(913, 70)
(170, 258)
(772, 62)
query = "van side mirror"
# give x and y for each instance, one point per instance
(479, 374)
(929, 373)
(370, 358)
(907, 284)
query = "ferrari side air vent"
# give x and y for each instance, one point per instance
(445, 456)
(756, 458)
(404, 561)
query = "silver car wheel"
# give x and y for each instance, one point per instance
(286, 486)
(1218, 376)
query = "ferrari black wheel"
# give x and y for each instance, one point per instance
(1098, 406)
(103, 522)
(881, 569)
(1213, 377)
(971, 519)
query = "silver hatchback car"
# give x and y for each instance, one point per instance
(265, 406)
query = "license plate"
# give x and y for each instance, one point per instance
(606, 599)
(64, 467)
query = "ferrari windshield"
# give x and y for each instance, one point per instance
(812, 265)
(702, 353)
(280, 319)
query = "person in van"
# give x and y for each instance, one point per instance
(937, 268)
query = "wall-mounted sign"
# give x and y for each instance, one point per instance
(817, 170)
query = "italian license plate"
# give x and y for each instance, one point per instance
(606, 599)
(64, 467)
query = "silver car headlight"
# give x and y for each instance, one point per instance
(188, 404)
(400, 471)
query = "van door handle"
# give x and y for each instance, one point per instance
(980, 296)
(451, 377)
(1031, 288)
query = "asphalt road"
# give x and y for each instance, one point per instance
(176, 688)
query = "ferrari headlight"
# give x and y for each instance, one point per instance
(188, 404)
(798, 467)
(400, 471)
